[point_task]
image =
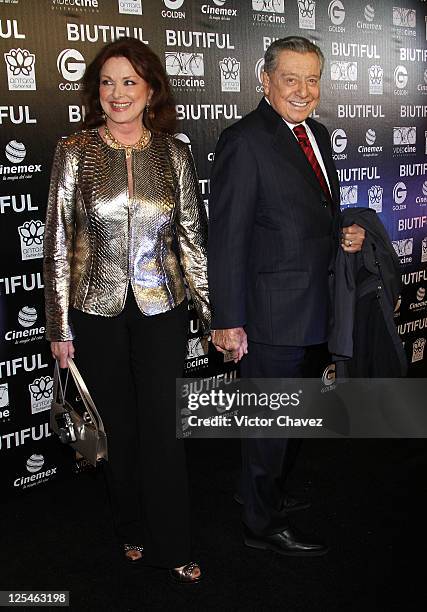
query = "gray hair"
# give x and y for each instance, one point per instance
(298, 44)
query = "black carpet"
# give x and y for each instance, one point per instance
(369, 504)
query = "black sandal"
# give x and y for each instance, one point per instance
(127, 548)
(184, 575)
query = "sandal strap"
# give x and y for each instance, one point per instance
(188, 569)
(128, 547)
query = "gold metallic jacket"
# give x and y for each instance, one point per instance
(98, 240)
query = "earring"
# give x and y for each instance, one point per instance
(147, 107)
(104, 116)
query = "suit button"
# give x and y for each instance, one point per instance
(331, 273)
(325, 203)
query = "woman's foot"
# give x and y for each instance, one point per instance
(133, 553)
(186, 574)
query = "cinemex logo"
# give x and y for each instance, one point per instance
(307, 14)
(268, 12)
(41, 392)
(230, 74)
(404, 20)
(31, 235)
(71, 66)
(259, 67)
(172, 11)
(369, 25)
(34, 465)
(418, 347)
(205, 40)
(400, 81)
(421, 302)
(344, 75)
(218, 12)
(9, 29)
(15, 152)
(197, 354)
(370, 150)
(375, 198)
(376, 75)
(400, 193)
(4, 403)
(87, 6)
(404, 140)
(422, 200)
(348, 195)
(339, 144)
(336, 12)
(185, 69)
(130, 7)
(404, 249)
(20, 69)
(27, 318)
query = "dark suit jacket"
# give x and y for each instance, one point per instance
(270, 238)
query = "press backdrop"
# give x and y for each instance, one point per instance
(374, 101)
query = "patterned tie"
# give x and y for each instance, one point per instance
(301, 134)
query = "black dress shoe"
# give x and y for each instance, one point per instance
(290, 504)
(287, 542)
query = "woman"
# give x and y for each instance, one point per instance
(124, 218)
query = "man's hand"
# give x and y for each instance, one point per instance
(61, 351)
(233, 340)
(352, 238)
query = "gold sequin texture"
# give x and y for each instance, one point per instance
(98, 240)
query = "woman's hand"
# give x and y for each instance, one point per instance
(61, 351)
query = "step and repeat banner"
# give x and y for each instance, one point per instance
(374, 102)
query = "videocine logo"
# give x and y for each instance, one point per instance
(41, 393)
(375, 198)
(404, 140)
(339, 144)
(4, 403)
(336, 12)
(404, 18)
(78, 5)
(344, 75)
(71, 65)
(404, 249)
(269, 6)
(348, 195)
(307, 14)
(424, 250)
(20, 69)
(34, 465)
(185, 69)
(230, 74)
(31, 235)
(376, 75)
(27, 317)
(130, 7)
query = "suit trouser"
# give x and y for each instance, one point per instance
(266, 462)
(130, 363)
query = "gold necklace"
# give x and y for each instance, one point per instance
(137, 146)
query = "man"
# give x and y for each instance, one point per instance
(274, 192)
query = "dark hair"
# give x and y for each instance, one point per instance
(161, 116)
(298, 44)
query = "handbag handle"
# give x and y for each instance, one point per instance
(82, 389)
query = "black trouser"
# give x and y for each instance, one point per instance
(130, 363)
(266, 462)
